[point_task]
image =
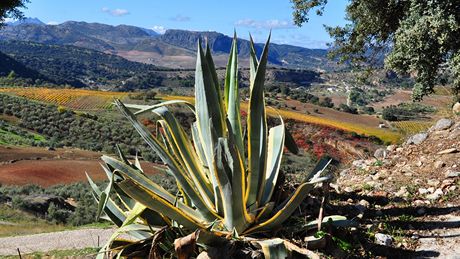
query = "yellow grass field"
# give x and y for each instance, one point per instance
(351, 126)
(77, 99)
(412, 127)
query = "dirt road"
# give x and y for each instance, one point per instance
(72, 239)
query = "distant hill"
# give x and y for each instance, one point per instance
(8, 64)
(26, 21)
(70, 65)
(175, 48)
(61, 65)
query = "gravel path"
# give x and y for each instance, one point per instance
(72, 239)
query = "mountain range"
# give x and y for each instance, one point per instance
(173, 49)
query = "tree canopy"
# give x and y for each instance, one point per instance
(11, 9)
(417, 37)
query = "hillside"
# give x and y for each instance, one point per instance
(174, 48)
(8, 64)
(73, 66)
(414, 189)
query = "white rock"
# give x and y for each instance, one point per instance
(364, 203)
(452, 174)
(439, 164)
(391, 148)
(433, 182)
(383, 239)
(442, 124)
(417, 139)
(436, 195)
(423, 191)
(456, 108)
(380, 153)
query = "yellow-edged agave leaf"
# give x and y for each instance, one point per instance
(186, 151)
(287, 209)
(166, 157)
(146, 108)
(230, 179)
(156, 203)
(130, 173)
(253, 62)
(274, 248)
(232, 96)
(199, 147)
(115, 214)
(212, 70)
(275, 150)
(257, 132)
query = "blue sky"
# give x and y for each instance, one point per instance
(254, 16)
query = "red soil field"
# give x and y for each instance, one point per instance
(20, 166)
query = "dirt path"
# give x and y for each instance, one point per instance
(72, 239)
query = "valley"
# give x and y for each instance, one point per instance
(58, 116)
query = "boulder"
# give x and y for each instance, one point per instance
(442, 124)
(383, 239)
(380, 153)
(417, 139)
(456, 108)
(40, 203)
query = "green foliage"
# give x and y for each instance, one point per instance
(62, 127)
(350, 109)
(16, 136)
(420, 37)
(11, 9)
(406, 111)
(84, 213)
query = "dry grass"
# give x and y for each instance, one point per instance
(15, 223)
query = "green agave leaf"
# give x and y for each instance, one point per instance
(212, 70)
(230, 180)
(257, 132)
(146, 108)
(194, 171)
(273, 248)
(253, 61)
(334, 220)
(175, 169)
(288, 207)
(114, 212)
(275, 149)
(156, 203)
(232, 96)
(134, 175)
(199, 147)
(290, 142)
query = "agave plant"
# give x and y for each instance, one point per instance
(226, 179)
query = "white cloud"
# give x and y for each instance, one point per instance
(300, 40)
(159, 29)
(267, 24)
(115, 12)
(180, 18)
(9, 20)
(52, 23)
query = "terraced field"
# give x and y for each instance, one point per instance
(412, 127)
(90, 100)
(346, 123)
(77, 99)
